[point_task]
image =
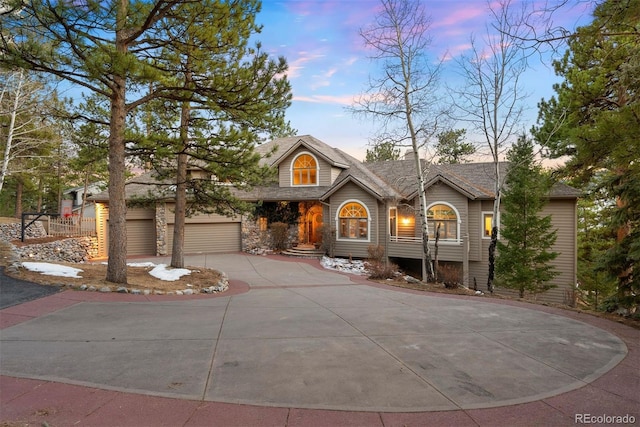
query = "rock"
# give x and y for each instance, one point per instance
(122, 290)
(411, 279)
(179, 293)
(146, 292)
(105, 289)
(92, 288)
(187, 291)
(83, 287)
(135, 291)
(155, 292)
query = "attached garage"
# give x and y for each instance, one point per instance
(212, 237)
(209, 233)
(141, 231)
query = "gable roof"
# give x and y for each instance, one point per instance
(395, 180)
(474, 180)
(353, 170)
(285, 146)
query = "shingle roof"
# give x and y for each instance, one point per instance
(384, 180)
(475, 180)
(139, 187)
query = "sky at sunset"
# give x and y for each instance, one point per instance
(328, 64)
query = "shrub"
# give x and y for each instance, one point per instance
(450, 275)
(378, 268)
(279, 235)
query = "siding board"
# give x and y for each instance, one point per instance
(354, 248)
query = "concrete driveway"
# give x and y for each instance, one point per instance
(304, 337)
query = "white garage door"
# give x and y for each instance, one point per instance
(219, 237)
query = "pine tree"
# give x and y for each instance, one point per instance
(524, 254)
(451, 149)
(382, 151)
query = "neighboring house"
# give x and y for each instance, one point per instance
(364, 204)
(76, 195)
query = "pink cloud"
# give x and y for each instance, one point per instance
(326, 99)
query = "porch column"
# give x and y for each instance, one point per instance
(465, 261)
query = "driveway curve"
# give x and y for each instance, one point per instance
(305, 337)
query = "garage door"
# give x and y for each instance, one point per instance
(219, 237)
(141, 237)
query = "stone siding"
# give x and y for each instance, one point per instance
(258, 242)
(9, 232)
(79, 249)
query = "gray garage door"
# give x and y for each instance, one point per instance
(218, 237)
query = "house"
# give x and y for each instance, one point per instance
(359, 204)
(77, 195)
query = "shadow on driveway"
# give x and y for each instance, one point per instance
(15, 291)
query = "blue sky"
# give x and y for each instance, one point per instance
(328, 64)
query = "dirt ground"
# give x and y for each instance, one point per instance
(95, 273)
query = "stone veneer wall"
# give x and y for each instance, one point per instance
(257, 242)
(9, 232)
(161, 229)
(78, 249)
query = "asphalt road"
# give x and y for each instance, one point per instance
(14, 291)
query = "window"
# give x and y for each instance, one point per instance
(304, 170)
(353, 221)
(445, 217)
(487, 218)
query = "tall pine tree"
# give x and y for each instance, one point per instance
(524, 254)
(594, 120)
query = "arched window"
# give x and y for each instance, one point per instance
(304, 170)
(446, 217)
(353, 221)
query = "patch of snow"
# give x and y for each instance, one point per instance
(141, 264)
(343, 265)
(168, 274)
(52, 269)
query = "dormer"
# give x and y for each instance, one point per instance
(306, 162)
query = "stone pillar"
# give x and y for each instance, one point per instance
(161, 229)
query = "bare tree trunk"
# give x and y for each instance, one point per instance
(84, 193)
(177, 251)
(177, 254)
(19, 188)
(494, 225)
(117, 263)
(427, 266)
(12, 123)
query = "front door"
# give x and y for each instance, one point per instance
(314, 224)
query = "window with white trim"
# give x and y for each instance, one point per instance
(353, 221)
(304, 170)
(445, 217)
(487, 218)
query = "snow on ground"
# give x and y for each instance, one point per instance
(344, 265)
(161, 272)
(140, 264)
(52, 269)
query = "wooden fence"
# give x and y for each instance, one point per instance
(72, 227)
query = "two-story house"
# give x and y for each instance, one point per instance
(363, 204)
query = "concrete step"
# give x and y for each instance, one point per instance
(304, 252)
